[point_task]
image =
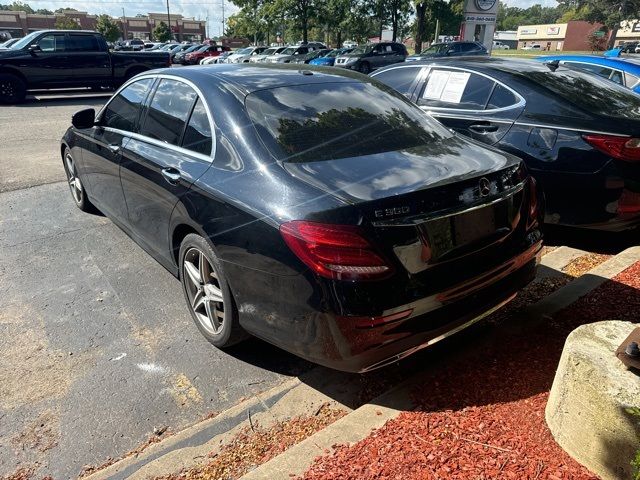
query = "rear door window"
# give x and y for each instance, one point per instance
(502, 98)
(168, 111)
(197, 136)
(83, 43)
(456, 89)
(123, 111)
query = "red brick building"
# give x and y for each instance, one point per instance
(570, 36)
(19, 24)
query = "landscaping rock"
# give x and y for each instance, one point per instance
(590, 408)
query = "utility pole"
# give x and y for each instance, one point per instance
(169, 21)
(124, 24)
(222, 34)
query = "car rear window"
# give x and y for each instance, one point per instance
(314, 122)
(589, 92)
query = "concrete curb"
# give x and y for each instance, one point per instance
(579, 287)
(361, 422)
(350, 429)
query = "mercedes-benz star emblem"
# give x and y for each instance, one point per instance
(484, 185)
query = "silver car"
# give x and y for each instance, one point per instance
(263, 56)
(244, 54)
(291, 53)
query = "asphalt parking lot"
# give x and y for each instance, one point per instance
(97, 346)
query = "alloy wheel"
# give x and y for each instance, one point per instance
(75, 185)
(8, 89)
(203, 290)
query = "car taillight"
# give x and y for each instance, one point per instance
(629, 204)
(621, 148)
(338, 252)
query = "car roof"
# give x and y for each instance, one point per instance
(66, 31)
(249, 78)
(617, 62)
(605, 61)
(480, 63)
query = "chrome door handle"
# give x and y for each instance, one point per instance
(171, 175)
(115, 148)
(483, 128)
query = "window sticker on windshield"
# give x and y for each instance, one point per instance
(454, 89)
(437, 81)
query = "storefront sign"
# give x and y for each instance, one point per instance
(636, 27)
(528, 31)
(553, 30)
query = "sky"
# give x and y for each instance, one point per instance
(200, 9)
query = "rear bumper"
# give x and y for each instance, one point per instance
(342, 343)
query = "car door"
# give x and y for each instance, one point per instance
(102, 147)
(173, 148)
(90, 59)
(48, 65)
(376, 59)
(470, 103)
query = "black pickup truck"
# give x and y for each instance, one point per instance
(68, 59)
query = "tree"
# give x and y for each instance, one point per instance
(608, 12)
(65, 9)
(108, 28)
(66, 23)
(162, 32)
(17, 7)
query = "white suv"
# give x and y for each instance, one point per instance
(498, 45)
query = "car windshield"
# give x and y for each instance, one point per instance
(314, 122)
(26, 41)
(438, 48)
(243, 51)
(288, 51)
(589, 92)
(362, 49)
(269, 51)
(192, 49)
(335, 53)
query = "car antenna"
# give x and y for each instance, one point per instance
(553, 65)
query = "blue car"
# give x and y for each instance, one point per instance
(330, 58)
(621, 70)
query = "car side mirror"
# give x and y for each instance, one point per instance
(84, 118)
(450, 51)
(34, 48)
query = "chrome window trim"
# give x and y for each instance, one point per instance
(572, 129)
(470, 117)
(521, 101)
(208, 158)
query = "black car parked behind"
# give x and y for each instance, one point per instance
(578, 134)
(372, 56)
(315, 210)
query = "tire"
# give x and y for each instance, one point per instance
(207, 293)
(78, 193)
(364, 68)
(12, 89)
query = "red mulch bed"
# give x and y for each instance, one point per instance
(484, 418)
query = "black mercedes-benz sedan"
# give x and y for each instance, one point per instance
(316, 209)
(579, 135)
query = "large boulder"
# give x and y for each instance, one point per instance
(591, 405)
